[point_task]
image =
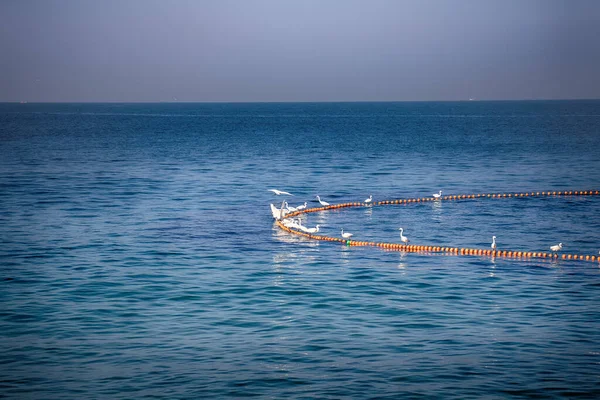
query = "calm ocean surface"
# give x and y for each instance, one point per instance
(139, 258)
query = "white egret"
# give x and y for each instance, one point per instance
(296, 224)
(403, 238)
(301, 207)
(493, 243)
(288, 222)
(323, 203)
(277, 213)
(437, 196)
(289, 208)
(313, 230)
(370, 199)
(278, 192)
(303, 228)
(557, 247)
(346, 235)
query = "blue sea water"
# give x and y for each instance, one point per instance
(139, 258)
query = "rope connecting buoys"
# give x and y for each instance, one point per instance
(440, 249)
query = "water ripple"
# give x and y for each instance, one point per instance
(139, 259)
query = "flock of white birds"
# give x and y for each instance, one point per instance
(297, 223)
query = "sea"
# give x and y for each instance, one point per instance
(139, 257)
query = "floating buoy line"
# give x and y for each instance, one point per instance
(444, 250)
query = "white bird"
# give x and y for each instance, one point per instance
(323, 203)
(556, 247)
(313, 230)
(303, 228)
(277, 213)
(290, 209)
(346, 235)
(493, 243)
(370, 199)
(287, 222)
(296, 224)
(278, 192)
(437, 195)
(402, 237)
(301, 207)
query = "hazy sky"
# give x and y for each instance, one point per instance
(298, 50)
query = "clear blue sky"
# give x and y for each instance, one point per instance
(300, 50)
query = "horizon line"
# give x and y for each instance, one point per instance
(284, 101)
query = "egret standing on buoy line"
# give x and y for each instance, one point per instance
(346, 235)
(493, 243)
(313, 230)
(402, 237)
(437, 196)
(557, 247)
(323, 203)
(301, 207)
(289, 208)
(370, 199)
(278, 192)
